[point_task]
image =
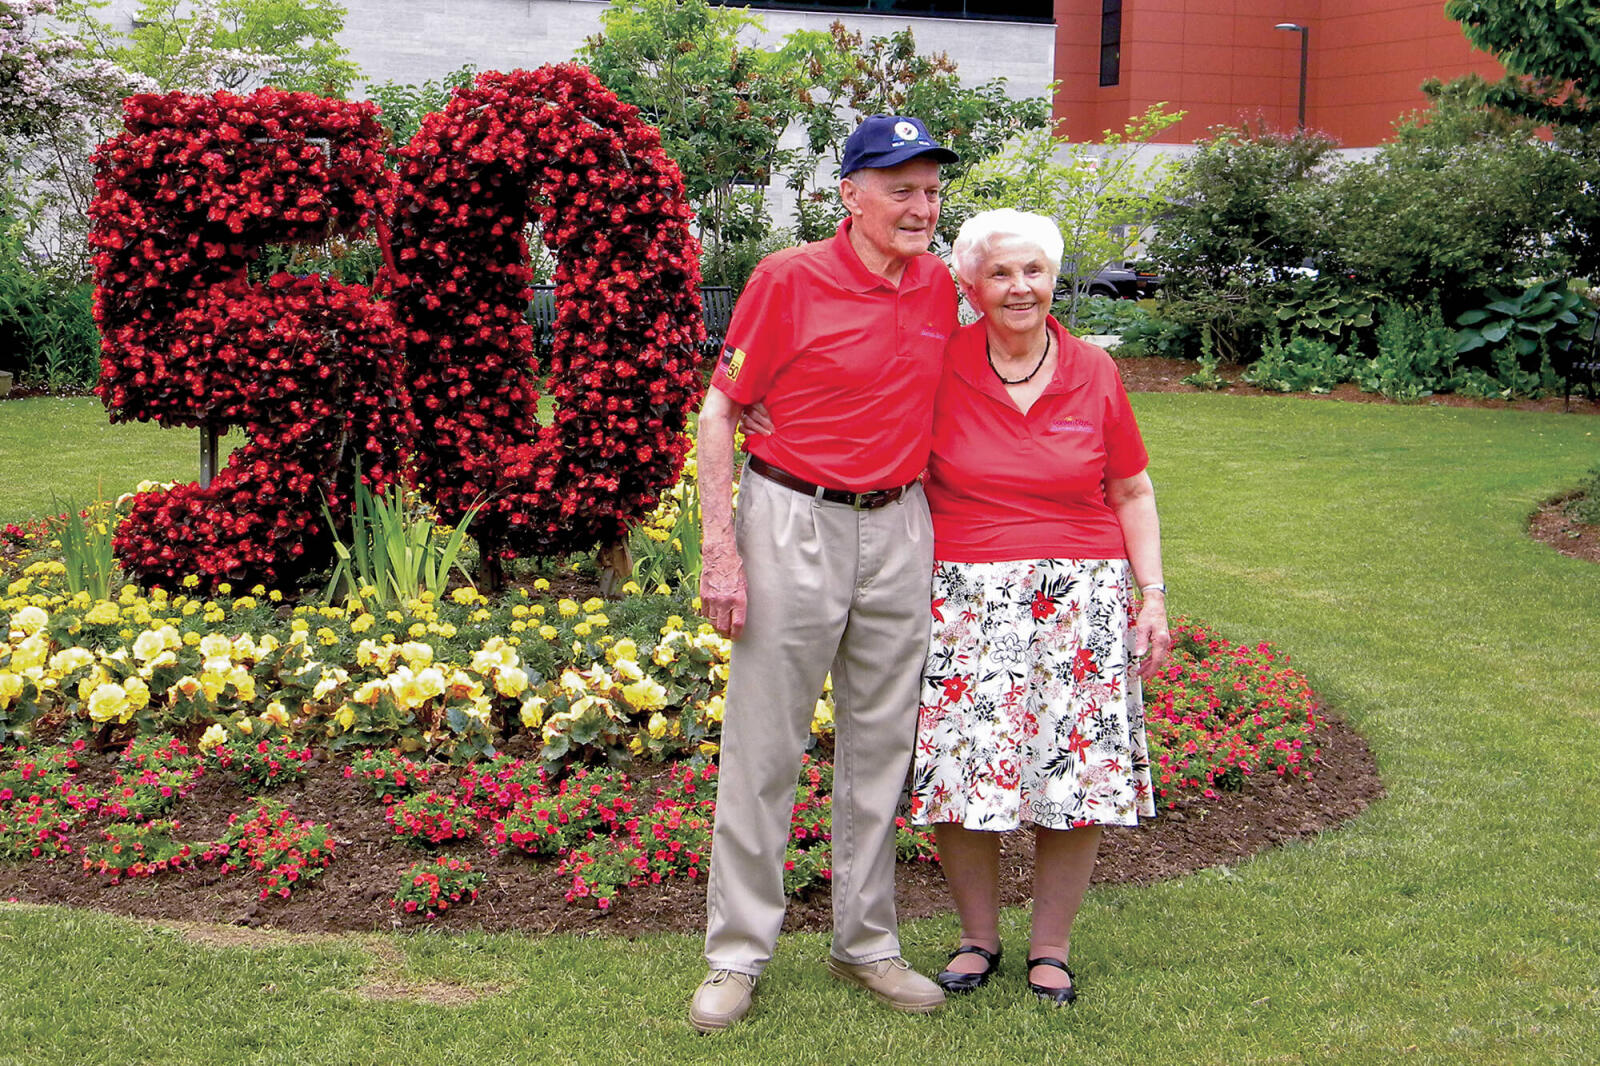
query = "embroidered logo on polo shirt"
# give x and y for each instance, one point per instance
(934, 332)
(1071, 425)
(732, 362)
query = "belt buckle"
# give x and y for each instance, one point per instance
(868, 501)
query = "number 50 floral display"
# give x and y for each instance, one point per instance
(326, 378)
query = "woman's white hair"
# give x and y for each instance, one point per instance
(983, 231)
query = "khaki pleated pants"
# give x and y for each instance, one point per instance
(830, 588)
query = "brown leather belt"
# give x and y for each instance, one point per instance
(861, 501)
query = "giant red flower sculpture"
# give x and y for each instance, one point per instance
(556, 147)
(186, 200)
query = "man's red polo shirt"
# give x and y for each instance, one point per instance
(846, 362)
(1004, 486)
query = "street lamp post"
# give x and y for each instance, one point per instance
(1305, 50)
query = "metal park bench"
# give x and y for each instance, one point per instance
(1583, 363)
(716, 308)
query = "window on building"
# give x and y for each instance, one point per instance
(1021, 10)
(1110, 41)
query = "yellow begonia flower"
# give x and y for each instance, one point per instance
(212, 683)
(214, 736)
(416, 654)
(709, 748)
(645, 695)
(532, 711)
(346, 717)
(277, 714)
(623, 649)
(368, 692)
(30, 653)
(713, 709)
(628, 670)
(138, 693)
(657, 726)
(10, 688)
(67, 660)
(330, 680)
(216, 646)
(148, 645)
(246, 726)
(822, 717)
(243, 684)
(104, 613)
(30, 619)
(110, 701)
(511, 681)
(184, 686)
(664, 655)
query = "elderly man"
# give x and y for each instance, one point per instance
(828, 566)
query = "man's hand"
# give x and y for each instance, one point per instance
(722, 592)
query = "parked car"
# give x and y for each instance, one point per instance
(1127, 282)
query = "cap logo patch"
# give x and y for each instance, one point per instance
(906, 131)
(732, 362)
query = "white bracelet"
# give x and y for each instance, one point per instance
(1154, 586)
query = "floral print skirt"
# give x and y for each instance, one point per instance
(1031, 709)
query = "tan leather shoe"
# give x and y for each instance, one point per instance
(893, 981)
(722, 999)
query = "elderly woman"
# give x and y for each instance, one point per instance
(1044, 520)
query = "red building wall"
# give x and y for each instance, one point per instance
(1223, 62)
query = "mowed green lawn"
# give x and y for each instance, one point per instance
(1456, 921)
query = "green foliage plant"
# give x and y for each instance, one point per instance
(1545, 315)
(1327, 305)
(395, 552)
(1416, 355)
(1549, 49)
(1208, 376)
(1303, 364)
(666, 546)
(1104, 314)
(86, 537)
(1584, 506)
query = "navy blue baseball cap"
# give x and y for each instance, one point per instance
(888, 141)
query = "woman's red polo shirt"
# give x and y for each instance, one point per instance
(1004, 486)
(846, 362)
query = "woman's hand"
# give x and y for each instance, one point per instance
(757, 420)
(1152, 643)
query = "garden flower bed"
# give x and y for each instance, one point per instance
(550, 757)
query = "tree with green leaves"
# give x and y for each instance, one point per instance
(721, 105)
(205, 45)
(1097, 193)
(1550, 49)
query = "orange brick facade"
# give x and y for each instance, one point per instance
(1223, 62)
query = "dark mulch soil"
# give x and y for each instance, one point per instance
(526, 896)
(1552, 525)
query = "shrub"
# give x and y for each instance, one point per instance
(1302, 365)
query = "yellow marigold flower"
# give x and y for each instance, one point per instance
(212, 737)
(537, 610)
(464, 595)
(445, 630)
(215, 614)
(549, 632)
(631, 588)
(480, 615)
(646, 694)
(327, 637)
(519, 627)
(541, 584)
(362, 624)
(519, 610)
(417, 629)
(18, 587)
(110, 702)
(190, 581)
(674, 623)
(598, 619)
(394, 616)
(104, 613)
(583, 629)
(568, 608)
(225, 588)
(190, 607)
(258, 589)
(299, 625)
(275, 596)
(593, 603)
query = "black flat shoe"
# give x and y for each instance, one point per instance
(1058, 996)
(954, 981)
